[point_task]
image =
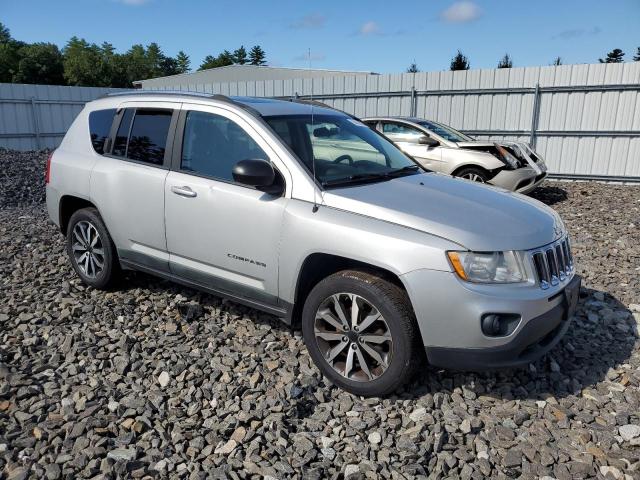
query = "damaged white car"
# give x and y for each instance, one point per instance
(440, 148)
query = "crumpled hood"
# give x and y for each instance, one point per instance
(478, 217)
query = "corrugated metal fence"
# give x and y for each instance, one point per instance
(583, 119)
(37, 116)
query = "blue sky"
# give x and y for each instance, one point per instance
(381, 36)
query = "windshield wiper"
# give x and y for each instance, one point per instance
(367, 177)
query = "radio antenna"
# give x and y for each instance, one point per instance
(313, 155)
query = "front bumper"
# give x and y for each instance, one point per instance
(449, 317)
(521, 180)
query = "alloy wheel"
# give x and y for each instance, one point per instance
(353, 337)
(474, 177)
(88, 251)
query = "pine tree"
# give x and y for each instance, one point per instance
(557, 61)
(505, 62)
(240, 55)
(257, 56)
(614, 56)
(413, 68)
(459, 62)
(636, 58)
(183, 62)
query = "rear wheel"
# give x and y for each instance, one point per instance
(91, 250)
(475, 174)
(361, 332)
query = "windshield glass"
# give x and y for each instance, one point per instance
(342, 148)
(445, 131)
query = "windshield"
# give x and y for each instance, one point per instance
(445, 132)
(343, 149)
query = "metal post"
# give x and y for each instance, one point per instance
(534, 116)
(413, 108)
(36, 122)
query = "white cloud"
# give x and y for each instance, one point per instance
(461, 12)
(370, 28)
(313, 20)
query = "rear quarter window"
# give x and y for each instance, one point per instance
(99, 127)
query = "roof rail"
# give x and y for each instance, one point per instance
(316, 103)
(182, 93)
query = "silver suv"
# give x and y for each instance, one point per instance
(441, 148)
(304, 212)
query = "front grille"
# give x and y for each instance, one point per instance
(553, 263)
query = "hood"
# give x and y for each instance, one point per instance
(476, 216)
(475, 144)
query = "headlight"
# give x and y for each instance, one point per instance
(506, 157)
(491, 267)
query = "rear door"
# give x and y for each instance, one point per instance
(222, 234)
(406, 137)
(128, 182)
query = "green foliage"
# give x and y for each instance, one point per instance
(257, 56)
(40, 63)
(636, 57)
(614, 56)
(505, 62)
(87, 64)
(557, 61)
(413, 68)
(459, 62)
(240, 56)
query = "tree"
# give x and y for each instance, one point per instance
(413, 68)
(83, 64)
(222, 60)
(40, 63)
(505, 62)
(557, 61)
(183, 62)
(460, 62)
(614, 56)
(257, 56)
(636, 57)
(9, 55)
(240, 56)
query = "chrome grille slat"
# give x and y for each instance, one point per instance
(553, 263)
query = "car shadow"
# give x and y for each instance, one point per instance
(600, 338)
(549, 195)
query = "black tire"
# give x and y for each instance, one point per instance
(110, 272)
(474, 174)
(394, 305)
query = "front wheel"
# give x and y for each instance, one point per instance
(361, 332)
(91, 249)
(475, 174)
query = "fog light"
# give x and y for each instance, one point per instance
(499, 324)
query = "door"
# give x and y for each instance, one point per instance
(406, 137)
(219, 233)
(128, 182)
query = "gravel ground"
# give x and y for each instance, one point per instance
(156, 380)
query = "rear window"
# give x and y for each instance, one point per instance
(142, 135)
(99, 127)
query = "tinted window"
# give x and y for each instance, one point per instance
(213, 144)
(445, 132)
(120, 144)
(99, 127)
(148, 138)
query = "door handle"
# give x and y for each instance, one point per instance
(184, 191)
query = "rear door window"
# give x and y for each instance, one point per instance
(99, 127)
(142, 135)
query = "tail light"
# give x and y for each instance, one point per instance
(47, 175)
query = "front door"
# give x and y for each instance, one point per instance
(406, 138)
(221, 234)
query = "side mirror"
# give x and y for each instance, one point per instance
(257, 173)
(428, 141)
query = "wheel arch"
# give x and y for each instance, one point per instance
(319, 265)
(68, 205)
